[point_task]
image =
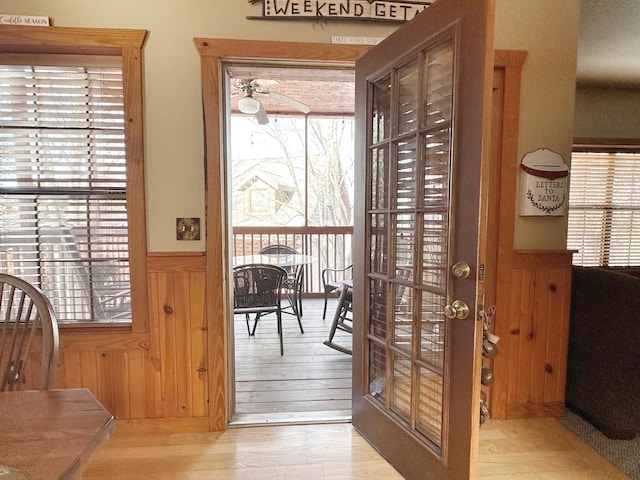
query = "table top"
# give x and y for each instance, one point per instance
(50, 434)
(279, 259)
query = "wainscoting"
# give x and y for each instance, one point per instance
(532, 321)
(165, 373)
(156, 374)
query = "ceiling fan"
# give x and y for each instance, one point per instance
(251, 105)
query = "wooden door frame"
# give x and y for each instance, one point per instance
(213, 52)
(503, 176)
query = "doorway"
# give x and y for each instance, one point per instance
(289, 147)
(219, 244)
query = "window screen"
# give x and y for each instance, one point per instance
(63, 217)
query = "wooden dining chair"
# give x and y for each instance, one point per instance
(27, 324)
(256, 290)
(294, 283)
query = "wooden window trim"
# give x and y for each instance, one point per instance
(607, 145)
(126, 44)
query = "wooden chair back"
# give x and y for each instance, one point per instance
(27, 323)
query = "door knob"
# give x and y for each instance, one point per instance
(461, 270)
(458, 309)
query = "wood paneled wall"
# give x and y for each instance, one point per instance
(161, 373)
(533, 325)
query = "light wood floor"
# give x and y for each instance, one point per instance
(532, 449)
(311, 383)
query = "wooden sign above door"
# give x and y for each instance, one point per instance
(324, 10)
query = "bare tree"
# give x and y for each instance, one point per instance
(313, 156)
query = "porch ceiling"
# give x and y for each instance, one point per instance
(326, 90)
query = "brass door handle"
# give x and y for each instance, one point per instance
(458, 309)
(461, 270)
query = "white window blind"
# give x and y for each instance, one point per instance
(63, 217)
(604, 209)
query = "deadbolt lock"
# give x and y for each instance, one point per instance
(458, 309)
(461, 270)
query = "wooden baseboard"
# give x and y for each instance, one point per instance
(163, 425)
(531, 410)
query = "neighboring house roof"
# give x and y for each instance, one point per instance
(276, 182)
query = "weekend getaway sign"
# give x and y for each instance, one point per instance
(379, 10)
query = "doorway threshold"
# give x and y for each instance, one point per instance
(290, 418)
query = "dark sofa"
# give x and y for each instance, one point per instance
(603, 369)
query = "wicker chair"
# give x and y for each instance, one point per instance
(256, 290)
(293, 284)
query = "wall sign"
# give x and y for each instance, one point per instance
(371, 10)
(24, 20)
(543, 184)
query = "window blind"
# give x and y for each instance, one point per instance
(604, 208)
(63, 216)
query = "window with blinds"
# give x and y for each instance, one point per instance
(63, 216)
(604, 208)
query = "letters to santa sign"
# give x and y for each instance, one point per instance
(370, 10)
(543, 184)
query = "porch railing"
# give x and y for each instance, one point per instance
(331, 247)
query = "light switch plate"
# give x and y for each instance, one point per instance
(187, 228)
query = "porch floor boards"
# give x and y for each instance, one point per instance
(309, 383)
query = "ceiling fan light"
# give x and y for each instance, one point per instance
(248, 105)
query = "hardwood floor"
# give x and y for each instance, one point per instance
(538, 449)
(531, 449)
(310, 385)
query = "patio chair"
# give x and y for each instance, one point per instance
(343, 318)
(256, 290)
(25, 315)
(294, 282)
(333, 279)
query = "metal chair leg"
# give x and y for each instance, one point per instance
(255, 323)
(295, 300)
(324, 310)
(279, 315)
